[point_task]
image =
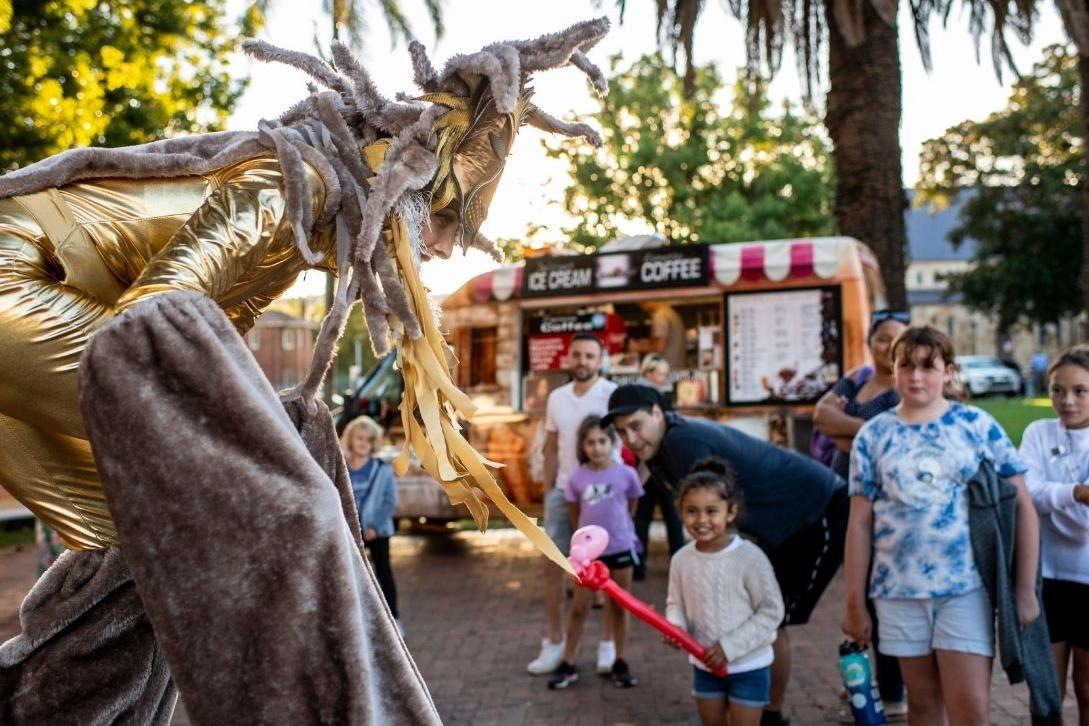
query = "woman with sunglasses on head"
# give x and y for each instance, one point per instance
(858, 397)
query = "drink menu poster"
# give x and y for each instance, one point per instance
(783, 346)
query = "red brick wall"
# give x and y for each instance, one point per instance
(284, 367)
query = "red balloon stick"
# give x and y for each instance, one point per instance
(595, 576)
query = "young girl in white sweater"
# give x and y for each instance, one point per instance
(722, 590)
(1056, 452)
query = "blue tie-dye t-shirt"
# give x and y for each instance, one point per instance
(916, 475)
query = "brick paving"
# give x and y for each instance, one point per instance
(471, 611)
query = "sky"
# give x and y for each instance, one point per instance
(532, 188)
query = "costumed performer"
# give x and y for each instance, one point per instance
(135, 422)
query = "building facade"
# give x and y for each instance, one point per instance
(282, 345)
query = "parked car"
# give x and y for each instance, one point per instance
(985, 375)
(378, 396)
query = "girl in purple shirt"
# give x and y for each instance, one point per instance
(602, 492)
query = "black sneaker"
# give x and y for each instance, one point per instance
(622, 677)
(773, 718)
(564, 675)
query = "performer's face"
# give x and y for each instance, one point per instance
(440, 235)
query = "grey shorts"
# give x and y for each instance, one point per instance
(557, 521)
(962, 623)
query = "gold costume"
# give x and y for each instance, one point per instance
(72, 258)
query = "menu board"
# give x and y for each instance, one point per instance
(783, 346)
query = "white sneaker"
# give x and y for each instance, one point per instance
(548, 659)
(606, 655)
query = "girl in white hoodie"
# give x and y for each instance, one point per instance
(1056, 452)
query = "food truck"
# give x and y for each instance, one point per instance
(761, 330)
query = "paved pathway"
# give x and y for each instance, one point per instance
(471, 611)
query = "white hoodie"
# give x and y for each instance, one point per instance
(1057, 459)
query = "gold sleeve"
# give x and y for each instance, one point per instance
(227, 238)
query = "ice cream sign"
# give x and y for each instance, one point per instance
(558, 275)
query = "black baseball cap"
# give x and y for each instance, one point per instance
(629, 398)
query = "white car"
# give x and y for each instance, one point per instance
(984, 375)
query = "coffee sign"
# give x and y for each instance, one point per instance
(661, 267)
(549, 336)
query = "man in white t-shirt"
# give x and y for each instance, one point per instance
(586, 395)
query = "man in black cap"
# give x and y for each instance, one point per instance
(794, 508)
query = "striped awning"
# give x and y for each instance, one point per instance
(778, 260)
(746, 262)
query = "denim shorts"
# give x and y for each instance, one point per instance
(557, 520)
(750, 688)
(963, 623)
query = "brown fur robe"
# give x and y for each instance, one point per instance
(237, 532)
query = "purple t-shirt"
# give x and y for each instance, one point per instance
(603, 497)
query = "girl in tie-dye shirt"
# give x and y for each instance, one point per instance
(908, 529)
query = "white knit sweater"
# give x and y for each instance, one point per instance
(730, 597)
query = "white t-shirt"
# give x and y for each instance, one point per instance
(563, 414)
(1057, 459)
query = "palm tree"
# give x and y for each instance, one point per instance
(1075, 15)
(863, 103)
(351, 16)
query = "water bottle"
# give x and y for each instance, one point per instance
(854, 667)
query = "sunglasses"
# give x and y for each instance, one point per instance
(880, 316)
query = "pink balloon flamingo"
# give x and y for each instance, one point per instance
(587, 544)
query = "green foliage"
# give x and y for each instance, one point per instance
(96, 73)
(1024, 166)
(693, 172)
(355, 341)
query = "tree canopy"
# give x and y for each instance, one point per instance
(693, 172)
(94, 73)
(1022, 169)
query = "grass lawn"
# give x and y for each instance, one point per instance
(1014, 414)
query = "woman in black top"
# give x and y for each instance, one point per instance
(839, 415)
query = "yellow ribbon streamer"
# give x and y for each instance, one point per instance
(430, 409)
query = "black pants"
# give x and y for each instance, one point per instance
(379, 549)
(656, 494)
